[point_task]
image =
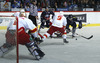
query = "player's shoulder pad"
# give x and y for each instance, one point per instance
(74, 18)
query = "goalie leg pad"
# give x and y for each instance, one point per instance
(6, 48)
(41, 54)
(35, 50)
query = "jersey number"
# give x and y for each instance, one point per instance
(15, 22)
(59, 17)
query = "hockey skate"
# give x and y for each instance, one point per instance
(58, 34)
(65, 41)
(73, 36)
(35, 50)
(6, 48)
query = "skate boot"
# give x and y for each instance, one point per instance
(58, 34)
(73, 36)
(65, 41)
(35, 50)
(6, 48)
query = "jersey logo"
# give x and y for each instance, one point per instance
(59, 17)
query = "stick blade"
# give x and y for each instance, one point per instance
(90, 37)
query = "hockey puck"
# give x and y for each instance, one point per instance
(76, 39)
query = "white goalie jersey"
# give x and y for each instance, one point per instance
(12, 25)
(26, 23)
(22, 22)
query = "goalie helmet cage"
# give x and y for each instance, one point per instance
(4, 22)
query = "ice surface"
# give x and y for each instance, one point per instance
(76, 51)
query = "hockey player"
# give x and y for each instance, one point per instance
(58, 24)
(17, 14)
(45, 18)
(71, 20)
(23, 38)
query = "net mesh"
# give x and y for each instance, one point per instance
(4, 22)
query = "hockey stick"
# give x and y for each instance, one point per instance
(75, 33)
(86, 24)
(84, 36)
(40, 35)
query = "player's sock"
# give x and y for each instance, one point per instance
(73, 32)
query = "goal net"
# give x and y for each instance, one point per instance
(4, 22)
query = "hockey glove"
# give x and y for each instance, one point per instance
(38, 40)
(80, 25)
(68, 30)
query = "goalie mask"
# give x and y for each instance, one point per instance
(22, 13)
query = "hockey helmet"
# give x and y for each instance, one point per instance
(61, 13)
(70, 16)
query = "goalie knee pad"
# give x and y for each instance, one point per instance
(6, 48)
(35, 50)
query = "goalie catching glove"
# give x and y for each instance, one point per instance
(37, 40)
